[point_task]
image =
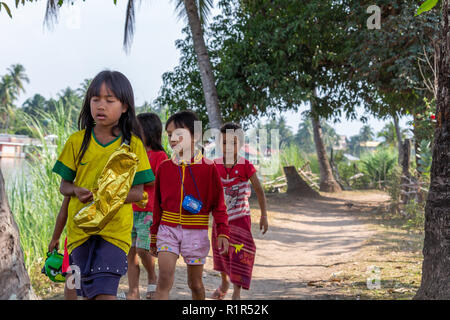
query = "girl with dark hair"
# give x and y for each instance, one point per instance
(189, 191)
(106, 120)
(151, 127)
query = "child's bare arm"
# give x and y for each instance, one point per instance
(69, 189)
(61, 220)
(263, 224)
(136, 193)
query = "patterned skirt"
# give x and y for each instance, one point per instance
(238, 264)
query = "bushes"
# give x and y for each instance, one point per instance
(378, 166)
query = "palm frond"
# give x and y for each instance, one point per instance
(130, 21)
(51, 14)
(204, 9)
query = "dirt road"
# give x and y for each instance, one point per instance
(306, 238)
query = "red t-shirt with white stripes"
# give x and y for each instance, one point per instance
(236, 186)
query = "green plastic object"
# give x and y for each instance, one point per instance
(53, 266)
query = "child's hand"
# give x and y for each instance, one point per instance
(83, 194)
(54, 243)
(263, 224)
(222, 242)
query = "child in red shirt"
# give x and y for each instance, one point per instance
(142, 220)
(235, 173)
(187, 189)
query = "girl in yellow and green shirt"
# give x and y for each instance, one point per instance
(106, 120)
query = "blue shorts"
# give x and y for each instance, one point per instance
(101, 265)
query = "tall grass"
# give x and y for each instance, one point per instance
(34, 196)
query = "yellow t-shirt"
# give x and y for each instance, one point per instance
(86, 173)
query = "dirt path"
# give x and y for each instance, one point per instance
(305, 239)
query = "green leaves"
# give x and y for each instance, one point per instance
(426, 6)
(4, 5)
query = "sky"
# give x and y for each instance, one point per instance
(88, 39)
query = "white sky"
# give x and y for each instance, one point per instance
(88, 39)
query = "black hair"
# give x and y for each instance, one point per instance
(120, 86)
(151, 130)
(233, 126)
(183, 119)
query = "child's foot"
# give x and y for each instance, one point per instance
(220, 292)
(132, 296)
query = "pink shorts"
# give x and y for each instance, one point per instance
(192, 244)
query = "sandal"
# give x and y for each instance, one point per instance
(218, 294)
(151, 289)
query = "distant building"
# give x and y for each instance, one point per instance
(369, 145)
(17, 146)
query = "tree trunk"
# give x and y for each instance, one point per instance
(297, 186)
(14, 280)
(204, 64)
(416, 145)
(327, 181)
(436, 264)
(406, 178)
(399, 138)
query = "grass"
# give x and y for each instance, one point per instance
(34, 196)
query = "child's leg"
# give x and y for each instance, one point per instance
(166, 262)
(195, 282)
(225, 283)
(149, 265)
(133, 275)
(236, 293)
(69, 294)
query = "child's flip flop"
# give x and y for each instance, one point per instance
(218, 294)
(151, 289)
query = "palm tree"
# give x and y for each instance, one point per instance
(35, 105)
(11, 86)
(7, 97)
(327, 181)
(17, 72)
(196, 12)
(366, 133)
(84, 87)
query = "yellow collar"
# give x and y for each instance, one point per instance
(181, 162)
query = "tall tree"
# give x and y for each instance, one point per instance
(436, 263)
(271, 56)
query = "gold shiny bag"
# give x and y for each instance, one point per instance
(114, 184)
